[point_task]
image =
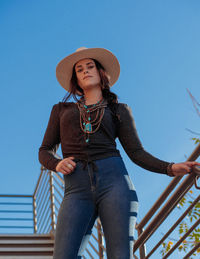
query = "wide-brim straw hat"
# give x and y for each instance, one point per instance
(110, 63)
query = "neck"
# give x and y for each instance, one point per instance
(92, 96)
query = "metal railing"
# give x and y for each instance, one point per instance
(169, 203)
(16, 212)
(43, 206)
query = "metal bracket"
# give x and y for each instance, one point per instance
(196, 170)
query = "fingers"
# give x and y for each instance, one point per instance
(64, 170)
(66, 166)
(71, 161)
(192, 163)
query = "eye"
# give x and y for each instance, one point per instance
(79, 70)
(91, 66)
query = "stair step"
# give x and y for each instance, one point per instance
(22, 236)
(25, 242)
(26, 257)
(26, 251)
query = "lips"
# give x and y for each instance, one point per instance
(86, 77)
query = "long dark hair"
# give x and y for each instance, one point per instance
(76, 91)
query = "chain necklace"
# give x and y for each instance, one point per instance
(91, 117)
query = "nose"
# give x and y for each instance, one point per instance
(85, 71)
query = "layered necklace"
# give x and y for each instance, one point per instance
(91, 117)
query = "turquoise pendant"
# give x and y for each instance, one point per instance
(88, 127)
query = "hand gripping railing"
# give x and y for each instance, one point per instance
(170, 203)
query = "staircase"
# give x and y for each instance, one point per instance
(27, 246)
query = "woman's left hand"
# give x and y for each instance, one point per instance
(183, 168)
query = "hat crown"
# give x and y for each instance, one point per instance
(81, 48)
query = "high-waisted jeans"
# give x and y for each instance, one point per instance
(107, 193)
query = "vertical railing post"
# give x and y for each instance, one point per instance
(142, 248)
(34, 214)
(100, 239)
(52, 202)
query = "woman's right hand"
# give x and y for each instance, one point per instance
(66, 166)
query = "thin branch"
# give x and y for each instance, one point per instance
(195, 103)
(193, 132)
(176, 240)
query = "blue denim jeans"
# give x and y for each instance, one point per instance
(107, 193)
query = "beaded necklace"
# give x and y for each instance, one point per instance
(87, 124)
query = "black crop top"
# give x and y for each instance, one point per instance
(64, 128)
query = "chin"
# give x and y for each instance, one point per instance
(90, 86)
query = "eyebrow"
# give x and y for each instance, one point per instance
(86, 64)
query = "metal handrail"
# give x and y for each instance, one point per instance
(171, 203)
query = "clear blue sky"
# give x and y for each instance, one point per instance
(157, 44)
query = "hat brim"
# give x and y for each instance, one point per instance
(105, 57)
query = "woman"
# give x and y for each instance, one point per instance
(97, 183)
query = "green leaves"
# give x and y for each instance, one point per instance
(194, 237)
(197, 140)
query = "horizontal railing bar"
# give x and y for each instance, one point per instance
(44, 203)
(89, 253)
(45, 198)
(174, 226)
(42, 192)
(56, 199)
(42, 187)
(49, 228)
(56, 208)
(58, 183)
(39, 179)
(23, 219)
(60, 178)
(42, 181)
(159, 202)
(15, 227)
(15, 196)
(61, 195)
(95, 238)
(43, 215)
(93, 247)
(192, 251)
(16, 211)
(15, 203)
(182, 239)
(165, 211)
(48, 219)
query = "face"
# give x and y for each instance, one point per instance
(87, 74)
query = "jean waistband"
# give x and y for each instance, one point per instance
(86, 162)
